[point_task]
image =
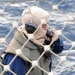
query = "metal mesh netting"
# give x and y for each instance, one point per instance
(60, 18)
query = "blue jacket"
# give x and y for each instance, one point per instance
(58, 46)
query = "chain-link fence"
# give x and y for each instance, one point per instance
(61, 17)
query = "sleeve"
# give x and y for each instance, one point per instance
(17, 66)
(58, 46)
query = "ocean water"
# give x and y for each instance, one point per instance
(57, 20)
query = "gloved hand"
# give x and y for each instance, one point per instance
(49, 33)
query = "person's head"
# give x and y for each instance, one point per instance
(36, 13)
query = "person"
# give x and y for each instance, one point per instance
(32, 50)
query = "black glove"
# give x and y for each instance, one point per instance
(49, 33)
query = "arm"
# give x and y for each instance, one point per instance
(58, 46)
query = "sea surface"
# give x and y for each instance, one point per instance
(10, 13)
